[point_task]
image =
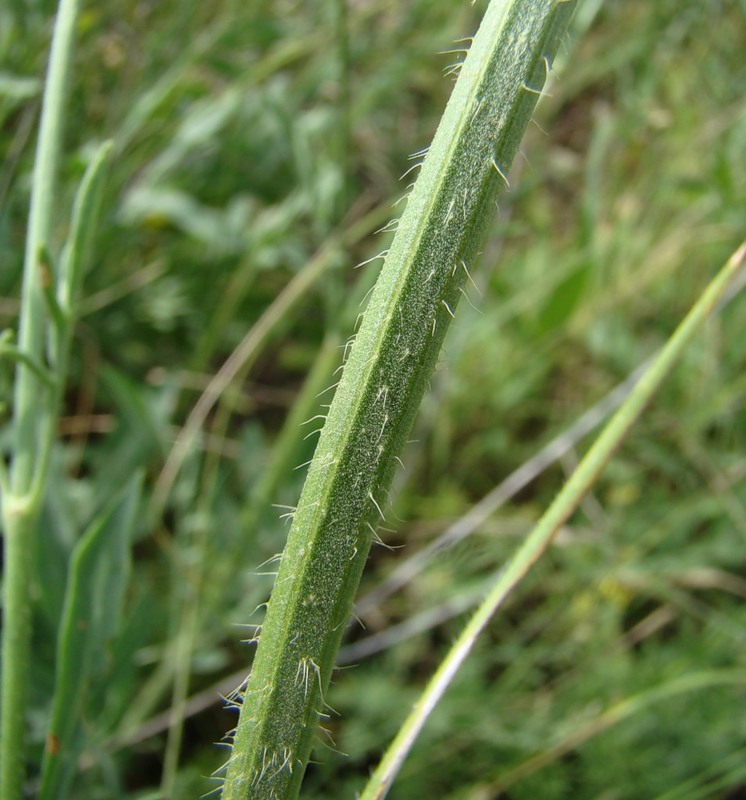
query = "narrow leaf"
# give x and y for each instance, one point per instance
(85, 213)
(91, 616)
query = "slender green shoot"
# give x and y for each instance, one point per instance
(21, 504)
(555, 516)
(41, 356)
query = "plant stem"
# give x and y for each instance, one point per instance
(32, 403)
(384, 379)
(18, 526)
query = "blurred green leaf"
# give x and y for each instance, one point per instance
(18, 87)
(563, 301)
(91, 616)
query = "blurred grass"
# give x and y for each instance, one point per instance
(227, 181)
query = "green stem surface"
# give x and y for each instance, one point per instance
(31, 401)
(45, 330)
(386, 374)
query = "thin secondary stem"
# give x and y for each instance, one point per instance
(508, 488)
(556, 515)
(44, 345)
(31, 404)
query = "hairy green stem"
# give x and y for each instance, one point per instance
(383, 381)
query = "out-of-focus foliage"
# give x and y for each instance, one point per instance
(253, 139)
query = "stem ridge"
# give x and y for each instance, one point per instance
(384, 378)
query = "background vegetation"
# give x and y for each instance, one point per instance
(257, 147)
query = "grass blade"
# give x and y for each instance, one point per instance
(556, 515)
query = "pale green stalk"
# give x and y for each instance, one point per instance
(21, 503)
(44, 336)
(556, 515)
(386, 374)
